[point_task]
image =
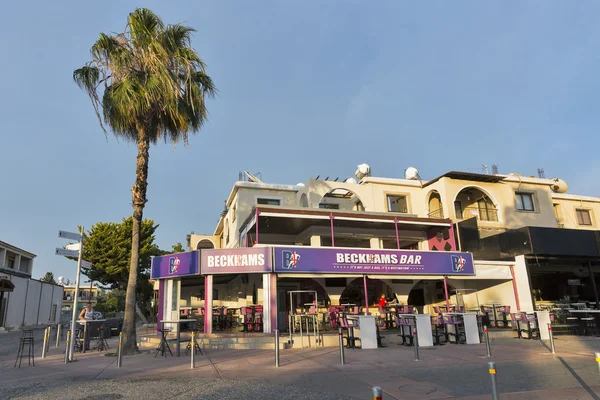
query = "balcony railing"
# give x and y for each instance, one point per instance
(482, 214)
(436, 214)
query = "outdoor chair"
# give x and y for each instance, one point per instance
(349, 329)
(529, 333)
(437, 322)
(380, 323)
(403, 323)
(459, 333)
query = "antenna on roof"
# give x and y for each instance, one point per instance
(336, 179)
(541, 173)
(484, 168)
(494, 169)
(317, 178)
(327, 178)
(252, 178)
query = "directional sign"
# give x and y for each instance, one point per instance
(69, 235)
(74, 246)
(86, 264)
(67, 253)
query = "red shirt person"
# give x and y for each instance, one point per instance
(382, 301)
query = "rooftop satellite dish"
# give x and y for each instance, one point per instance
(362, 170)
(412, 174)
(559, 186)
(252, 178)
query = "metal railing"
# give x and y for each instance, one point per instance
(482, 214)
(436, 214)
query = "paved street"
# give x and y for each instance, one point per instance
(526, 370)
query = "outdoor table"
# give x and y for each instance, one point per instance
(471, 327)
(178, 322)
(366, 330)
(423, 322)
(582, 324)
(86, 339)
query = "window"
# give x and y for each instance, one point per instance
(584, 217)
(487, 211)
(524, 202)
(397, 204)
(10, 262)
(458, 209)
(359, 206)
(268, 202)
(329, 206)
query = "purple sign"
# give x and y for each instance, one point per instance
(173, 265)
(371, 261)
(236, 261)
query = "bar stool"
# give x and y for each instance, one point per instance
(437, 322)
(402, 322)
(258, 319)
(532, 333)
(193, 343)
(26, 340)
(101, 343)
(504, 310)
(380, 323)
(333, 317)
(458, 334)
(349, 328)
(164, 345)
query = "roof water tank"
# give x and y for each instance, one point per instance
(362, 170)
(559, 186)
(411, 173)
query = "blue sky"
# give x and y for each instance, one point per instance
(306, 88)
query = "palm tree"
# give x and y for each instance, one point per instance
(146, 84)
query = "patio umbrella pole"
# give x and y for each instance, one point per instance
(366, 295)
(446, 293)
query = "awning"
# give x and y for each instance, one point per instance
(6, 285)
(487, 271)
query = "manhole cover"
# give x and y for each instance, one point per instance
(417, 389)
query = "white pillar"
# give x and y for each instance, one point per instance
(523, 286)
(269, 303)
(375, 243)
(315, 241)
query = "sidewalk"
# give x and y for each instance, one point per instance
(526, 370)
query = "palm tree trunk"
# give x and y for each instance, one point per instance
(139, 201)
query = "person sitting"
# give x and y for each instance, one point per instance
(87, 313)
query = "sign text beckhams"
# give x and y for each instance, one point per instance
(240, 260)
(353, 258)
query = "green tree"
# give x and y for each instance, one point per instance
(146, 84)
(178, 248)
(107, 245)
(49, 277)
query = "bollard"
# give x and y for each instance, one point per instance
(49, 335)
(67, 347)
(342, 358)
(58, 329)
(551, 338)
(492, 371)
(377, 393)
(597, 354)
(120, 351)
(416, 341)
(193, 351)
(276, 348)
(45, 343)
(487, 341)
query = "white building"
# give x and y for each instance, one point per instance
(23, 300)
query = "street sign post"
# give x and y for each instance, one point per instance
(69, 235)
(72, 253)
(73, 246)
(66, 252)
(86, 264)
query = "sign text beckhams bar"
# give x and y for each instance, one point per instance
(240, 260)
(353, 258)
(236, 261)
